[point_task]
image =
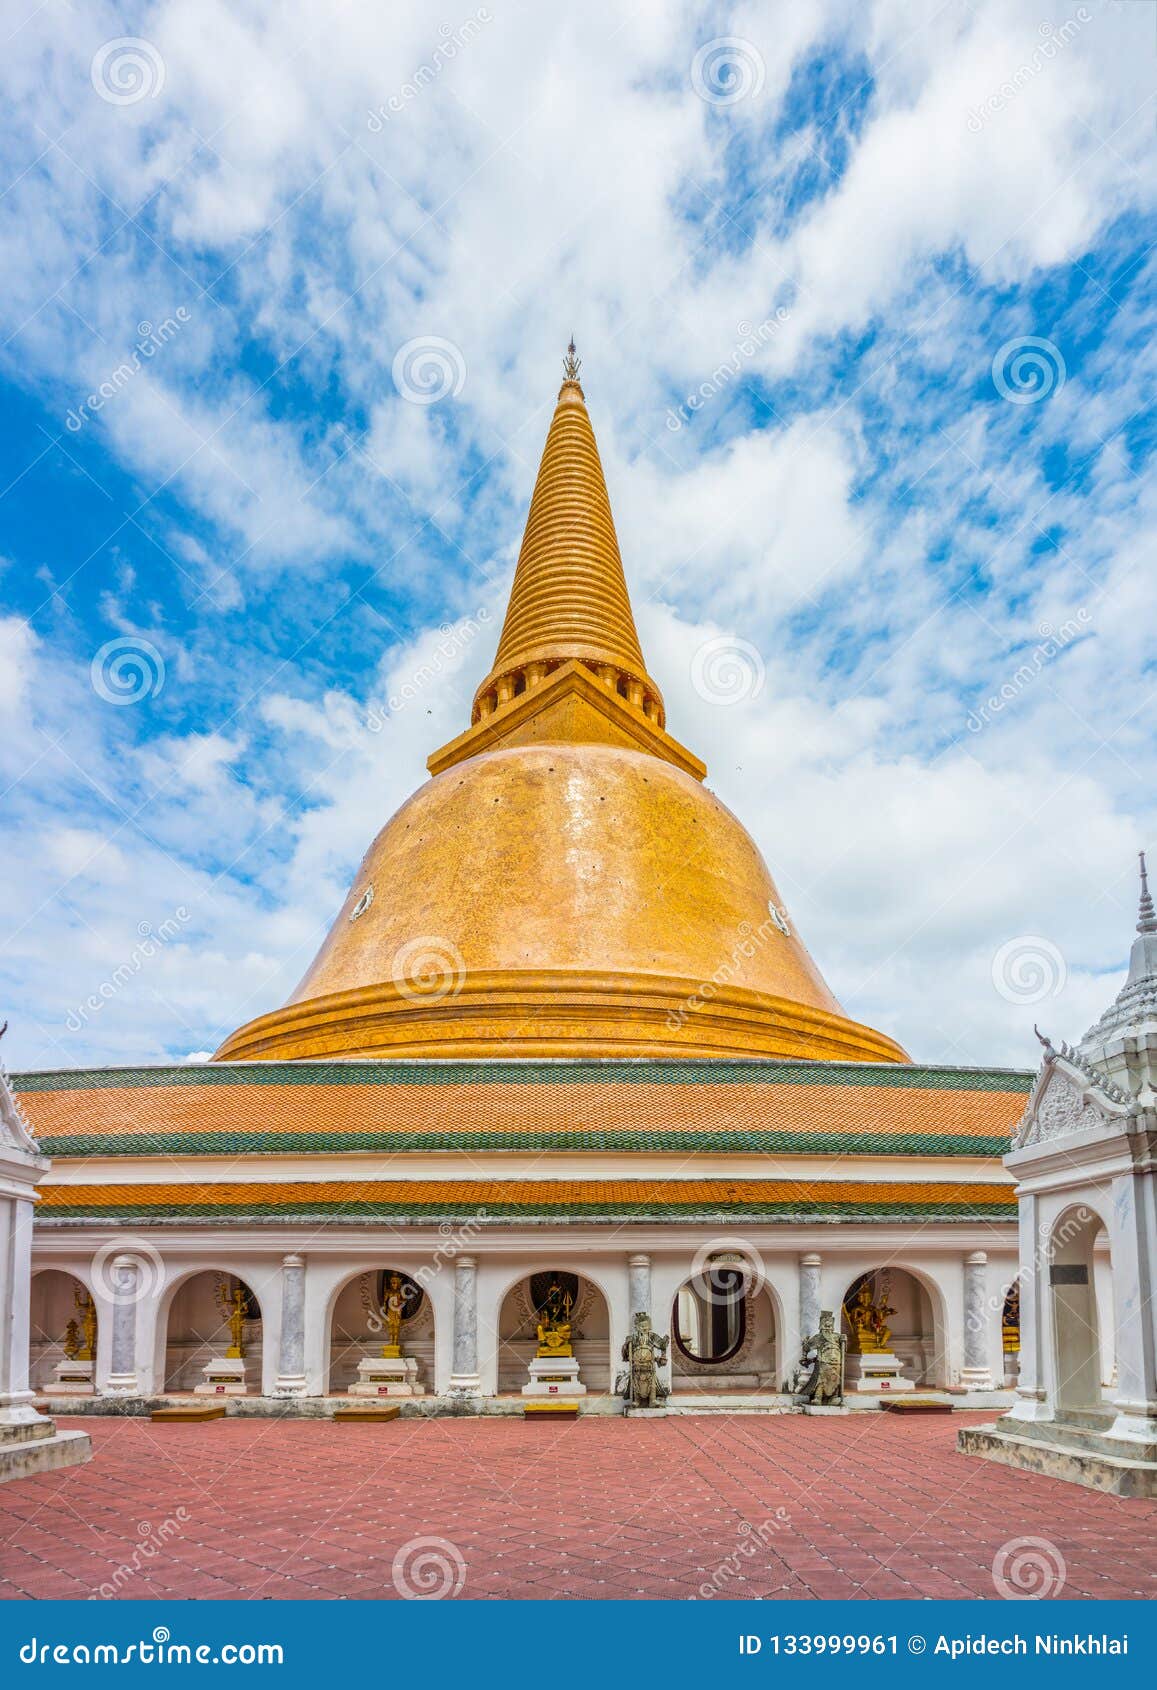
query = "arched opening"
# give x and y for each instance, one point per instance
(213, 1341)
(888, 1310)
(360, 1324)
(723, 1333)
(63, 1335)
(1076, 1324)
(519, 1319)
(1010, 1333)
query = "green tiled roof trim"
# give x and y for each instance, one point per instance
(598, 1070)
(399, 1141)
(786, 1211)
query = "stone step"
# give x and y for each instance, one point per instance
(1076, 1435)
(1113, 1474)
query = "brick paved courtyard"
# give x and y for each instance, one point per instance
(871, 1506)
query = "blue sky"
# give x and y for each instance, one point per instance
(898, 255)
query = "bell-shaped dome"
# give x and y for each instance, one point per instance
(564, 885)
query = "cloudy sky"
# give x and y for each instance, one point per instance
(864, 298)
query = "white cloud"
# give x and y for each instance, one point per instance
(886, 536)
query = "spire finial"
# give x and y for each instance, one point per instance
(1147, 920)
(570, 364)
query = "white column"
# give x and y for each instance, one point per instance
(291, 1380)
(1031, 1397)
(639, 1287)
(1133, 1243)
(810, 1271)
(125, 1279)
(977, 1373)
(465, 1379)
(16, 1312)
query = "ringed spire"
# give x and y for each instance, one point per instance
(569, 600)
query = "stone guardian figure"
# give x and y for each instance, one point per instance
(645, 1352)
(825, 1387)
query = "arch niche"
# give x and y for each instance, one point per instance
(195, 1329)
(724, 1333)
(58, 1297)
(357, 1331)
(518, 1322)
(917, 1324)
(1079, 1347)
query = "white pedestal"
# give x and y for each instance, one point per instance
(73, 1379)
(223, 1378)
(554, 1376)
(878, 1374)
(387, 1376)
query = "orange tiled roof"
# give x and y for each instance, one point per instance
(763, 1106)
(496, 1200)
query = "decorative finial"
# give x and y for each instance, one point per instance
(570, 364)
(1147, 920)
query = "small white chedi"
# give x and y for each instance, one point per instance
(1085, 1161)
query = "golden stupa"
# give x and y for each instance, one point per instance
(564, 885)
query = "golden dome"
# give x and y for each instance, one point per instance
(564, 885)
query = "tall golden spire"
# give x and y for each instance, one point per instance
(569, 599)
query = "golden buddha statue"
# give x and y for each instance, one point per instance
(1010, 1321)
(71, 1345)
(554, 1324)
(868, 1319)
(392, 1310)
(232, 1305)
(87, 1308)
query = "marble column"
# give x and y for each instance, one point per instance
(810, 1269)
(638, 1286)
(16, 1398)
(125, 1277)
(291, 1354)
(465, 1379)
(1031, 1397)
(977, 1374)
(1133, 1240)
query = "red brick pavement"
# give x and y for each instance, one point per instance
(865, 1507)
